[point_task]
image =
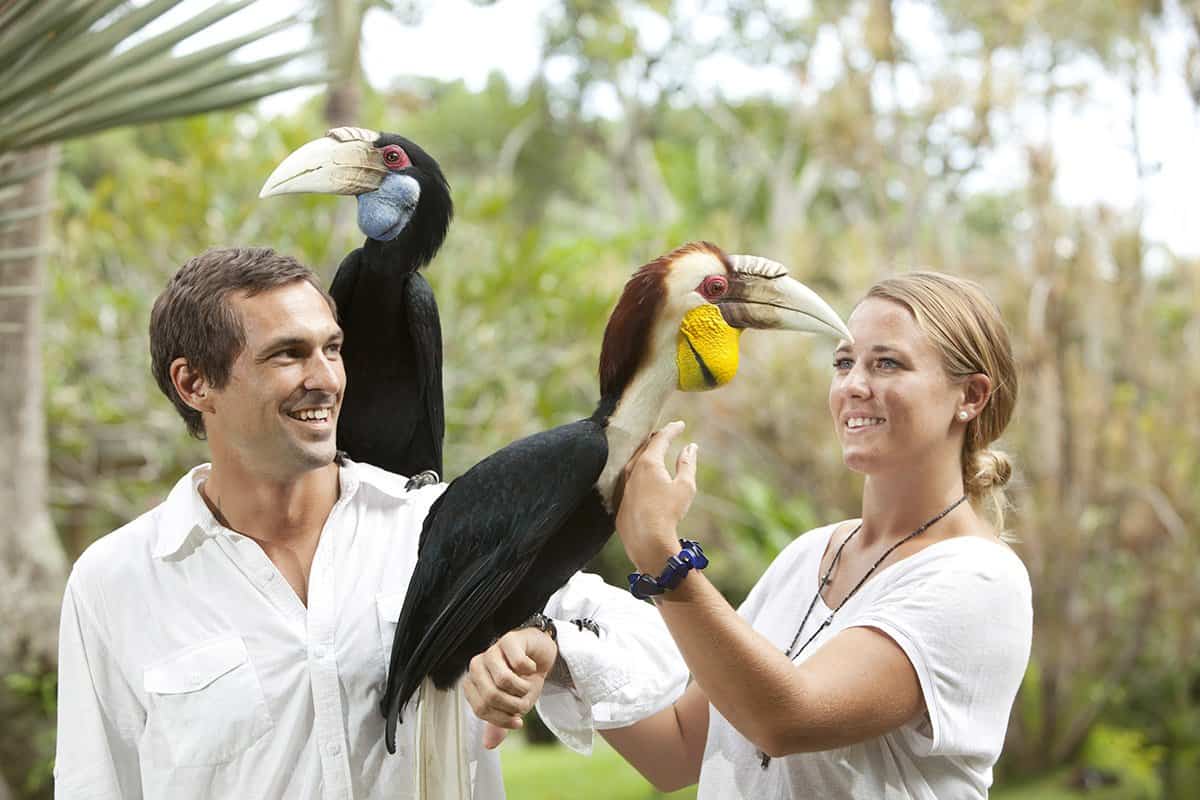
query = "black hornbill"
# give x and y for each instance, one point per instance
(511, 530)
(392, 413)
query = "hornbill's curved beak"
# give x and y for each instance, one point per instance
(763, 295)
(343, 161)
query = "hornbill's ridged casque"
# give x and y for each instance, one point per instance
(511, 530)
(392, 414)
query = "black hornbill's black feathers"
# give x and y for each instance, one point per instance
(479, 576)
(392, 414)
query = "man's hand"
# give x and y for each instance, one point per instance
(504, 681)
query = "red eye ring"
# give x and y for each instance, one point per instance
(394, 157)
(714, 286)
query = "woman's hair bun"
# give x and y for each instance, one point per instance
(989, 469)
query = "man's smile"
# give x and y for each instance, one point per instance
(313, 417)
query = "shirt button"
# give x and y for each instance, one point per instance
(333, 748)
(268, 575)
(318, 653)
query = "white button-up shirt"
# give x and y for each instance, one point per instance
(189, 668)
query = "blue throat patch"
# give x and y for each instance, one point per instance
(384, 213)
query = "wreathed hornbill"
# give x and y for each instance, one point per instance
(392, 413)
(511, 530)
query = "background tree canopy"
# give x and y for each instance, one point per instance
(875, 168)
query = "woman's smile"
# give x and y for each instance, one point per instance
(863, 424)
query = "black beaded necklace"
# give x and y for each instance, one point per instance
(792, 652)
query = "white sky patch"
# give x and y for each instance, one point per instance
(723, 75)
(457, 40)
(653, 29)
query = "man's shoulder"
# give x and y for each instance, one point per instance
(391, 486)
(130, 552)
(121, 554)
(389, 483)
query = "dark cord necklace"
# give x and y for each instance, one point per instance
(792, 651)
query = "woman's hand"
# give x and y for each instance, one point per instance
(652, 503)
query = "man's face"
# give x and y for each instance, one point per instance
(277, 415)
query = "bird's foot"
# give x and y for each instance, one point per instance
(587, 624)
(422, 479)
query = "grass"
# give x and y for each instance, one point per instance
(1053, 787)
(556, 773)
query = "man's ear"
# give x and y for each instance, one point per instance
(191, 385)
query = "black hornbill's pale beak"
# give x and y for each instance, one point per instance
(344, 161)
(763, 295)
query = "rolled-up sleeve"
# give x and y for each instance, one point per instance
(967, 633)
(99, 717)
(630, 670)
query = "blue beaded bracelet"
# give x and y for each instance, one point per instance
(643, 585)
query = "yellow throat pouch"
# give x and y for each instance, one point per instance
(707, 350)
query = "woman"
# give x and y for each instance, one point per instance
(878, 657)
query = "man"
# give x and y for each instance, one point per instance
(233, 641)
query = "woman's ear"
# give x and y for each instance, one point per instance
(976, 390)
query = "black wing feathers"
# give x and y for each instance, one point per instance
(477, 546)
(425, 328)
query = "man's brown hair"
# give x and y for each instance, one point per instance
(194, 319)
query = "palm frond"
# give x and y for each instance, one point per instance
(70, 75)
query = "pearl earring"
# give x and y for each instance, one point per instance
(962, 415)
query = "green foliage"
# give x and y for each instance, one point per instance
(42, 689)
(1126, 754)
(29, 704)
(1054, 786)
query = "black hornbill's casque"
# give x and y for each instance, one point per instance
(392, 414)
(511, 530)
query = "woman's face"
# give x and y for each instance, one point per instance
(893, 404)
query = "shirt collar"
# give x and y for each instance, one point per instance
(185, 513)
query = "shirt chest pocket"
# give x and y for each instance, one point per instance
(388, 605)
(207, 702)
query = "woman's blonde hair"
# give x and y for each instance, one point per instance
(966, 327)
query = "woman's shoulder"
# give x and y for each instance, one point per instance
(967, 560)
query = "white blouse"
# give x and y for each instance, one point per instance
(961, 609)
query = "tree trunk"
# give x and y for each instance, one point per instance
(341, 23)
(32, 564)
(343, 101)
